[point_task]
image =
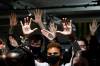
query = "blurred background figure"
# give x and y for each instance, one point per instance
(12, 42)
(2, 47)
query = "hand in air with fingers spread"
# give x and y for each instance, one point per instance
(38, 18)
(38, 15)
(13, 19)
(67, 27)
(93, 27)
(51, 34)
(26, 26)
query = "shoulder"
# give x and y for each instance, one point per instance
(41, 63)
(68, 64)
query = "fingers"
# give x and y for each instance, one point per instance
(38, 12)
(52, 27)
(35, 12)
(30, 21)
(94, 22)
(21, 23)
(64, 19)
(90, 26)
(55, 27)
(70, 22)
(24, 21)
(34, 29)
(69, 25)
(13, 19)
(27, 21)
(64, 25)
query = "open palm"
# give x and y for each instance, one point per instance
(13, 19)
(26, 26)
(93, 27)
(38, 15)
(67, 27)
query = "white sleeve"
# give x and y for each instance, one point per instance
(41, 64)
(68, 64)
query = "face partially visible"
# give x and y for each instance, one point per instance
(53, 51)
(76, 60)
(10, 37)
(53, 55)
(36, 43)
(82, 45)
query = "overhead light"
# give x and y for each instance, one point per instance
(29, 14)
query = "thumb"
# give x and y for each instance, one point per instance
(59, 31)
(34, 29)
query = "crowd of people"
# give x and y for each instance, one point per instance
(43, 49)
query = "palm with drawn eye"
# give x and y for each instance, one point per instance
(13, 19)
(67, 27)
(50, 34)
(26, 26)
(93, 27)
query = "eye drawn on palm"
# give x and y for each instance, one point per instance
(26, 26)
(67, 27)
(51, 34)
(13, 19)
(93, 27)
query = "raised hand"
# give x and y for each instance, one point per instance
(67, 27)
(38, 15)
(13, 42)
(93, 27)
(50, 34)
(38, 18)
(13, 19)
(26, 26)
(52, 28)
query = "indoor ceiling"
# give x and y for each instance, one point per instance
(64, 7)
(21, 4)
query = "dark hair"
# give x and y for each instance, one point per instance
(54, 44)
(83, 39)
(36, 38)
